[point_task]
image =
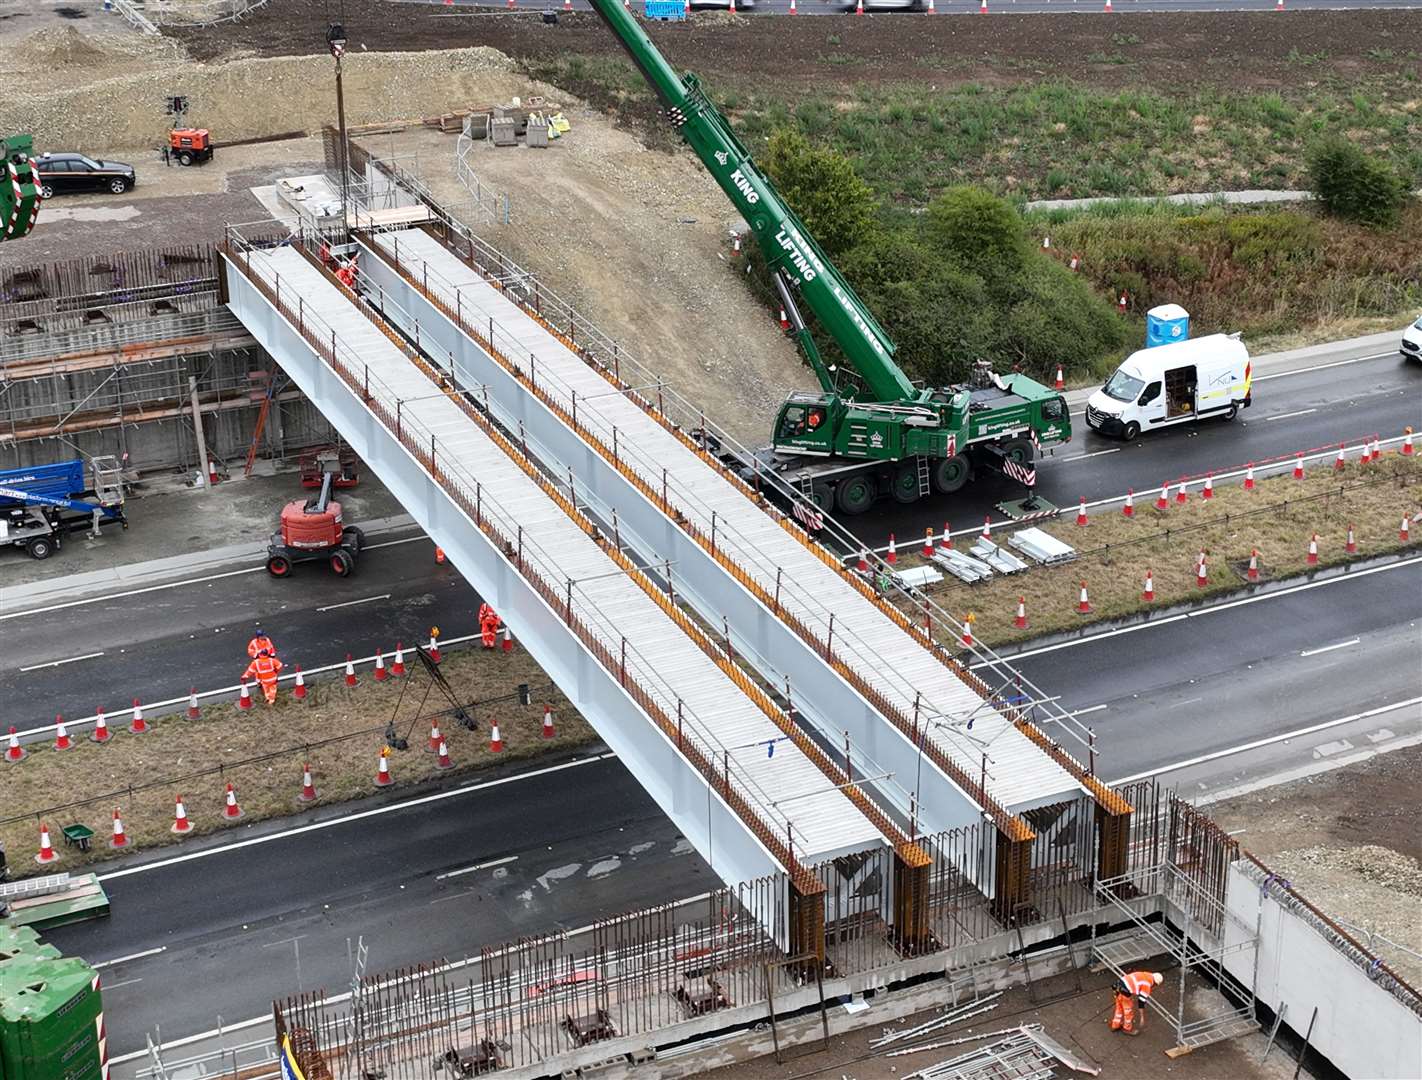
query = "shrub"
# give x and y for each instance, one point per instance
(823, 188)
(978, 228)
(1354, 186)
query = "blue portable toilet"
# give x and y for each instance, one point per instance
(1166, 324)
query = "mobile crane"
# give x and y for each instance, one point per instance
(877, 434)
(19, 187)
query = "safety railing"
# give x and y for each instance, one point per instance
(120, 334)
(694, 738)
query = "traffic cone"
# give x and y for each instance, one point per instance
(1338, 462)
(892, 557)
(968, 629)
(1313, 550)
(15, 752)
(1148, 593)
(380, 673)
(101, 728)
(1180, 497)
(928, 542)
(1278, 5)
(930, 8)
(435, 737)
(245, 700)
(231, 811)
(444, 762)
(945, 543)
(1407, 442)
(1209, 490)
(351, 679)
(568, 5)
(308, 789)
(47, 853)
(793, 9)
(1125, 296)
(439, 551)
(398, 666)
(1083, 606)
(137, 726)
(1249, 477)
(1377, 449)
(784, 322)
(1367, 454)
(181, 824)
(1129, 510)
(983, 8)
(510, 4)
(61, 734)
(863, 566)
(382, 774)
(1081, 512)
(1254, 564)
(1401, 535)
(987, 528)
(507, 640)
(496, 741)
(298, 691)
(736, 244)
(1108, 9)
(1020, 620)
(1298, 468)
(859, 7)
(433, 648)
(1352, 546)
(1163, 503)
(1202, 571)
(1060, 384)
(1075, 263)
(119, 838)
(1046, 243)
(548, 731)
(194, 712)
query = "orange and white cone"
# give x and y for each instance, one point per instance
(1202, 571)
(863, 566)
(507, 640)
(1313, 550)
(1020, 619)
(61, 735)
(137, 726)
(892, 556)
(1180, 496)
(784, 320)
(101, 728)
(351, 679)
(47, 854)
(308, 788)
(1148, 592)
(1129, 509)
(496, 741)
(380, 673)
(1278, 5)
(982, 7)
(567, 5)
(194, 711)
(444, 762)
(244, 700)
(928, 542)
(793, 9)
(435, 737)
(1083, 605)
(397, 667)
(120, 838)
(1407, 442)
(231, 811)
(859, 7)
(987, 528)
(1298, 468)
(15, 752)
(968, 629)
(1339, 462)
(1108, 9)
(298, 691)
(1377, 449)
(382, 771)
(1060, 383)
(433, 648)
(181, 824)
(1249, 477)
(945, 542)
(1075, 263)
(1367, 454)
(931, 10)
(439, 551)
(548, 731)
(1081, 512)
(1254, 564)
(1352, 546)
(1163, 503)
(1402, 534)
(1209, 489)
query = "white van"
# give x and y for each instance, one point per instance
(1173, 384)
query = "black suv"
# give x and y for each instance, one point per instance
(61, 173)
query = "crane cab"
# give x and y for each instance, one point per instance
(806, 424)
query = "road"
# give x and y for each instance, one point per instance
(239, 925)
(963, 7)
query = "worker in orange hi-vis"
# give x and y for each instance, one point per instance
(260, 642)
(1131, 994)
(265, 669)
(488, 625)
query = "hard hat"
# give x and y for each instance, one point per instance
(1158, 977)
(264, 652)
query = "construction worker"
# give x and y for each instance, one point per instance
(346, 275)
(259, 643)
(489, 623)
(265, 669)
(1131, 994)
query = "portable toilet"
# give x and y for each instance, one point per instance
(1166, 325)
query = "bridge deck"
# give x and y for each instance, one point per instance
(784, 786)
(1019, 775)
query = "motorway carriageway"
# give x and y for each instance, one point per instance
(964, 7)
(441, 874)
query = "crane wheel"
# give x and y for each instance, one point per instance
(1019, 450)
(906, 483)
(952, 474)
(855, 494)
(278, 566)
(822, 495)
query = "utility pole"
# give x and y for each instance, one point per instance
(336, 39)
(204, 470)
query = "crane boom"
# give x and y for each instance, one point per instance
(788, 247)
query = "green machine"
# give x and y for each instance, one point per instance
(873, 433)
(19, 187)
(51, 1012)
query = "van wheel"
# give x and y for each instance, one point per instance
(1233, 410)
(1130, 431)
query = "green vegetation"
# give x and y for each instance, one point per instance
(1353, 185)
(836, 206)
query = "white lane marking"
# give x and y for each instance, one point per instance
(1094, 453)
(131, 956)
(284, 941)
(462, 894)
(352, 603)
(1330, 648)
(1324, 367)
(1187, 701)
(438, 796)
(57, 663)
(1094, 708)
(101, 598)
(110, 987)
(1227, 605)
(1290, 415)
(477, 866)
(1257, 743)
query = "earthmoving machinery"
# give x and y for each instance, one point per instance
(872, 432)
(19, 188)
(41, 504)
(313, 529)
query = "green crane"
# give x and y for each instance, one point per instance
(19, 188)
(847, 445)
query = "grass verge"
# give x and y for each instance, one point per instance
(338, 729)
(1117, 550)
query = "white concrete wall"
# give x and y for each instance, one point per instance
(1362, 1028)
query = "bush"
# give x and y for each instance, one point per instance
(975, 226)
(1354, 186)
(823, 188)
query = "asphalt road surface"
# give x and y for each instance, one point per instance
(959, 7)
